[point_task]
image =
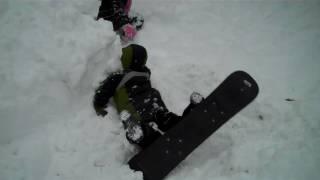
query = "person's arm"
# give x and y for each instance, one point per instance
(104, 92)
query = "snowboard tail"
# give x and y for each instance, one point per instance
(163, 155)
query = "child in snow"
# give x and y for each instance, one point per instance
(142, 111)
(117, 11)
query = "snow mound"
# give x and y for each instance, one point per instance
(53, 54)
(47, 50)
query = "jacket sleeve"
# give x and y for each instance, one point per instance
(106, 90)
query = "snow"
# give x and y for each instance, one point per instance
(196, 98)
(135, 133)
(53, 55)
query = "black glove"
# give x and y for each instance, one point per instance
(100, 111)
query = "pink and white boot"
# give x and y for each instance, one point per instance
(128, 32)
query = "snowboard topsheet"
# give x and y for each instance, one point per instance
(232, 95)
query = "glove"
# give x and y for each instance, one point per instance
(101, 111)
(127, 32)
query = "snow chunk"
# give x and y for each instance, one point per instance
(135, 133)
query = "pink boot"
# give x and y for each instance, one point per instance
(128, 32)
(127, 6)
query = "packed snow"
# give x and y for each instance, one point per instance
(53, 54)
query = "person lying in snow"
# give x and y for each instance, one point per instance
(142, 111)
(117, 11)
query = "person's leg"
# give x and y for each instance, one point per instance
(134, 131)
(165, 120)
(153, 130)
(141, 134)
(127, 6)
(150, 135)
(135, 18)
(105, 11)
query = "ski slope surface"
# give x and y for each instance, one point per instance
(53, 54)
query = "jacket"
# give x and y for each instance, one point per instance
(131, 91)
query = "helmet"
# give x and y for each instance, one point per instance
(134, 57)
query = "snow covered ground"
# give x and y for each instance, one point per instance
(53, 54)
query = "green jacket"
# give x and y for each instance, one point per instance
(131, 89)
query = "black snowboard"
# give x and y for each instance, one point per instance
(232, 95)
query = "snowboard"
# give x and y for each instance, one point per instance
(163, 155)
